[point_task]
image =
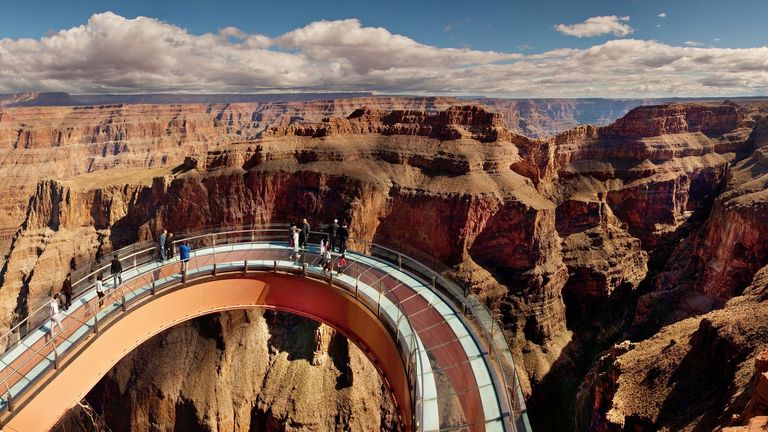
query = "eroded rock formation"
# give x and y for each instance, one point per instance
(93, 133)
(577, 241)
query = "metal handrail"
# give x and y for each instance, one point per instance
(78, 322)
(511, 399)
(455, 295)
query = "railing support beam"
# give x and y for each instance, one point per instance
(55, 358)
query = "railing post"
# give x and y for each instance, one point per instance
(464, 300)
(274, 266)
(122, 301)
(330, 281)
(357, 280)
(183, 273)
(304, 269)
(245, 267)
(96, 322)
(11, 403)
(153, 289)
(214, 254)
(400, 261)
(490, 347)
(55, 355)
(434, 281)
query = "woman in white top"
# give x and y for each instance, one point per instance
(53, 311)
(296, 253)
(328, 258)
(100, 290)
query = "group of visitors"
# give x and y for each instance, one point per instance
(63, 299)
(166, 245)
(299, 233)
(337, 237)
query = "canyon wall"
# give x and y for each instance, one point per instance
(576, 241)
(39, 141)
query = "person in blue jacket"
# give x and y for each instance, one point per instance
(184, 255)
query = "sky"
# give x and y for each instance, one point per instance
(556, 48)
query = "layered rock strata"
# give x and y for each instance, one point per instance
(552, 233)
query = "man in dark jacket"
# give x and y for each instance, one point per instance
(66, 289)
(343, 235)
(117, 269)
(333, 230)
(304, 234)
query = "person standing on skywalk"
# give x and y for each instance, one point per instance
(66, 290)
(169, 246)
(163, 236)
(55, 315)
(296, 244)
(100, 290)
(184, 252)
(327, 260)
(305, 230)
(341, 264)
(116, 268)
(333, 230)
(343, 236)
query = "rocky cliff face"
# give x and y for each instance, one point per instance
(697, 374)
(578, 240)
(459, 122)
(38, 142)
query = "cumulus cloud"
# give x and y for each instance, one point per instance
(114, 54)
(596, 26)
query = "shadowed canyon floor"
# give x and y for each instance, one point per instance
(650, 229)
(244, 371)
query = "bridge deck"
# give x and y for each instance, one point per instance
(455, 386)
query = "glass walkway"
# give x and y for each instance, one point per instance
(437, 347)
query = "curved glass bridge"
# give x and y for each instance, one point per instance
(438, 349)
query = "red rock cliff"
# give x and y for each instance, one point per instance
(559, 235)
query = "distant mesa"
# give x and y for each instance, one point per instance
(65, 99)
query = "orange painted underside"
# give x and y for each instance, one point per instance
(62, 389)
